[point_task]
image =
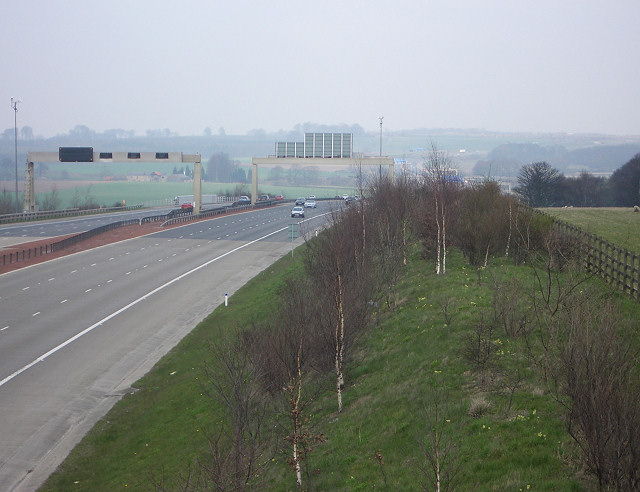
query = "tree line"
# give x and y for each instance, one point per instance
(541, 185)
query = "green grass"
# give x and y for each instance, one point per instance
(620, 226)
(390, 378)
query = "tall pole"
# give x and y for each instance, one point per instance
(381, 118)
(380, 166)
(14, 105)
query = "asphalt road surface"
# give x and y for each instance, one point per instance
(77, 332)
(11, 234)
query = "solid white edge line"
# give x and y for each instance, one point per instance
(131, 304)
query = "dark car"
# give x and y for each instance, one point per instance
(243, 200)
(300, 200)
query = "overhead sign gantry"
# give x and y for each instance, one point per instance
(317, 149)
(87, 155)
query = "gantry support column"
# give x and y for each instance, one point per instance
(254, 182)
(29, 189)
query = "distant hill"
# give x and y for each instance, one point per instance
(506, 160)
(486, 152)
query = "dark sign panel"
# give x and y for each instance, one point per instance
(75, 154)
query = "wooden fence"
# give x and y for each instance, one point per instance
(615, 265)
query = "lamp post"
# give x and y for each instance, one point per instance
(381, 118)
(14, 105)
(380, 166)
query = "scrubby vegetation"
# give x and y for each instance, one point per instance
(435, 338)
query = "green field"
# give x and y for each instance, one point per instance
(620, 226)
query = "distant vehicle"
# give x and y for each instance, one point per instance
(297, 212)
(279, 197)
(264, 197)
(310, 203)
(243, 200)
(345, 196)
(311, 197)
(300, 200)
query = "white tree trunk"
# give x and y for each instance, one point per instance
(296, 460)
(509, 238)
(438, 238)
(444, 243)
(339, 337)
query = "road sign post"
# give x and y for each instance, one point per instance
(293, 234)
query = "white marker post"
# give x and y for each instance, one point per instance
(226, 300)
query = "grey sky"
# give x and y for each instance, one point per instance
(541, 66)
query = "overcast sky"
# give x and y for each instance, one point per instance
(540, 66)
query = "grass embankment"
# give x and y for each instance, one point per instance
(508, 434)
(620, 226)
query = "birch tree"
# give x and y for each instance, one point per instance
(437, 175)
(340, 286)
(279, 352)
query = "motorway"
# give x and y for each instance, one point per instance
(12, 234)
(77, 332)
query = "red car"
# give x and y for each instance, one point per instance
(279, 197)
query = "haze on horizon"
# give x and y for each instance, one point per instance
(528, 66)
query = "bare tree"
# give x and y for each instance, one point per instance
(389, 212)
(441, 183)
(595, 377)
(439, 464)
(341, 287)
(51, 200)
(482, 226)
(235, 449)
(279, 352)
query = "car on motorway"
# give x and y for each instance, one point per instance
(311, 197)
(279, 197)
(309, 203)
(345, 196)
(300, 200)
(297, 211)
(243, 200)
(264, 197)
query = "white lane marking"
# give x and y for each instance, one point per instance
(25, 288)
(2, 329)
(88, 290)
(36, 313)
(52, 278)
(63, 301)
(130, 305)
